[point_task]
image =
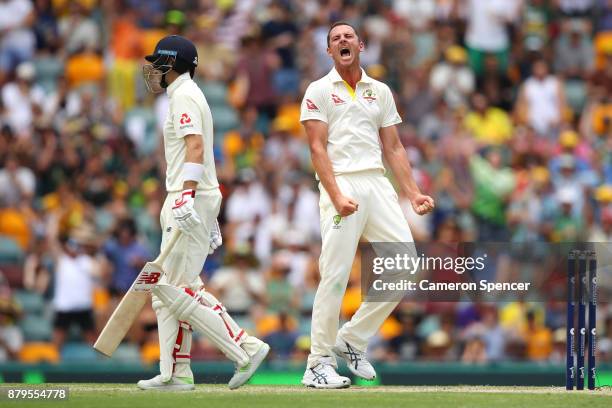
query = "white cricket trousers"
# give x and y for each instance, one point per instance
(378, 219)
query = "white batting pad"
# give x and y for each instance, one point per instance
(167, 327)
(203, 319)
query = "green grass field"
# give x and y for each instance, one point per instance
(218, 396)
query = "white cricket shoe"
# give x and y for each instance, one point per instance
(324, 375)
(175, 384)
(243, 374)
(355, 360)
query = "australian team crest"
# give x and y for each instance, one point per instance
(369, 95)
(337, 218)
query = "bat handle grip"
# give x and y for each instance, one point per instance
(166, 251)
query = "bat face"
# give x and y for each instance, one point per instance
(132, 303)
(129, 308)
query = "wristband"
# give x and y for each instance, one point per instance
(193, 172)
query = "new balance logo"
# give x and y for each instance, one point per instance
(146, 281)
(148, 278)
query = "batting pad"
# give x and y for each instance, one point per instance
(174, 342)
(203, 319)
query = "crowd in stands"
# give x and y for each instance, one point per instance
(507, 122)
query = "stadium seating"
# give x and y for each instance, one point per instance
(30, 302)
(10, 252)
(38, 352)
(36, 328)
(78, 353)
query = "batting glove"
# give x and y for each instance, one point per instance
(215, 238)
(185, 215)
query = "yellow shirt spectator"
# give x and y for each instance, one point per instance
(84, 68)
(539, 342)
(491, 127)
(14, 225)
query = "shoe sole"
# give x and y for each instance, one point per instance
(256, 361)
(340, 354)
(172, 387)
(326, 386)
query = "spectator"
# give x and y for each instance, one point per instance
(283, 340)
(574, 51)
(487, 32)
(488, 125)
(126, 255)
(17, 182)
(18, 41)
(74, 269)
(567, 224)
(11, 338)
(280, 32)
(406, 345)
(77, 29)
(542, 100)
(492, 185)
(538, 339)
(238, 284)
(453, 79)
(254, 72)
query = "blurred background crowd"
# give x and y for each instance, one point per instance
(507, 109)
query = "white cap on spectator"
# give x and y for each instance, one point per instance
(26, 71)
(566, 195)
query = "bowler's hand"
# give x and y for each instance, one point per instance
(345, 206)
(422, 204)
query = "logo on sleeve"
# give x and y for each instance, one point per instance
(337, 100)
(369, 95)
(185, 119)
(311, 106)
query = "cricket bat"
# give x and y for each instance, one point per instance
(132, 303)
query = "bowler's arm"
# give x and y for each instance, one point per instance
(395, 156)
(316, 131)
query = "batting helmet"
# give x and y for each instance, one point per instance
(171, 53)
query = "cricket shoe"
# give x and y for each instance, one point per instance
(355, 360)
(324, 375)
(175, 384)
(243, 374)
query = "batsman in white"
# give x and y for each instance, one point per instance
(350, 121)
(192, 205)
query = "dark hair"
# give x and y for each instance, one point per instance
(126, 224)
(341, 23)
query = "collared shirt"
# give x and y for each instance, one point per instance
(188, 113)
(354, 117)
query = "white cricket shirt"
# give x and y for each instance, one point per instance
(188, 113)
(353, 117)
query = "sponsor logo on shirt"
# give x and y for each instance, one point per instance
(311, 106)
(185, 119)
(369, 95)
(337, 100)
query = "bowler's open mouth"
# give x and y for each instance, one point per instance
(345, 52)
